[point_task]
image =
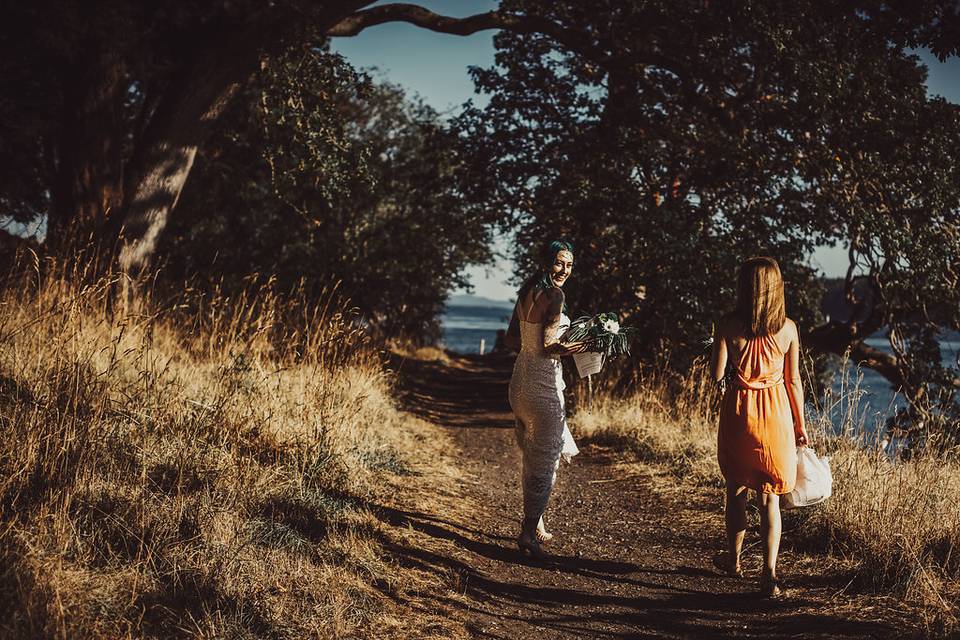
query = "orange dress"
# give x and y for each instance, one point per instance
(756, 446)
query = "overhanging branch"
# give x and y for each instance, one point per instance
(426, 19)
(416, 15)
(848, 339)
(841, 339)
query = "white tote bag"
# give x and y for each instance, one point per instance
(814, 480)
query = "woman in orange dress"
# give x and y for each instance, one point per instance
(761, 418)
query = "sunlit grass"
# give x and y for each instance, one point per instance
(896, 518)
(200, 467)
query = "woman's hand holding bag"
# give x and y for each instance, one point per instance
(814, 480)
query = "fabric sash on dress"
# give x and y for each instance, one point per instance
(760, 383)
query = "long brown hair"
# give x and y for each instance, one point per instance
(760, 297)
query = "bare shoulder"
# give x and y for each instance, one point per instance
(547, 305)
(554, 294)
(789, 334)
(554, 297)
(790, 327)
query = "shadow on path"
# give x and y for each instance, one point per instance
(650, 601)
(621, 566)
(471, 391)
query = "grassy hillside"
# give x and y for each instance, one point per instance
(202, 467)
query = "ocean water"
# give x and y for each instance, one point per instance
(860, 394)
(865, 398)
(465, 325)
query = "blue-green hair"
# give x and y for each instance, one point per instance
(541, 279)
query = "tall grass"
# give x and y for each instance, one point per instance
(198, 468)
(896, 518)
(895, 513)
(667, 419)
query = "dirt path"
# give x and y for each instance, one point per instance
(630, 559)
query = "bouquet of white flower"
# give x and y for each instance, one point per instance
(605, 338)
(603, 333)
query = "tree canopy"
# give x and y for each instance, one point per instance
(318, 174)
(756, 129)
(669, 139)
(105, 109)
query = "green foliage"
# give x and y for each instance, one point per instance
(320, 174)
(697, 134)
(673, 140)
(603, 333)
(917, 23)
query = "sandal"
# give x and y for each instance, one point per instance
(728, 568)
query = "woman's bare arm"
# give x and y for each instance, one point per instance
(551, 318)
(791, 377)
(718, 357)
(551, 328)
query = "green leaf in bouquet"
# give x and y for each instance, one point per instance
(591, 329)
(579, 329)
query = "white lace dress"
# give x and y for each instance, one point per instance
(536, 397)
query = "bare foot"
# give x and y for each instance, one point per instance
(728, 565)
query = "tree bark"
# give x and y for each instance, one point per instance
(184, 118)
(88, 178)
(181, 122)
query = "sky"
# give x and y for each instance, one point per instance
(434, 65)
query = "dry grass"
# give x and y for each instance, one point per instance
(200, 468)
(895, 520)
(669, 421)
(428, 353)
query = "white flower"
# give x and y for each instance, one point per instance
(611, 326)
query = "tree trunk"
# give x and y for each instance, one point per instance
(184, 119)
(88, 183)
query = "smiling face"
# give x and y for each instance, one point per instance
(561, 268)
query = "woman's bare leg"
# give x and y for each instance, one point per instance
(770, 527)
(538, 475)
(770, 531)
(735, 516)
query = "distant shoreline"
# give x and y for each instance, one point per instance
(469, 300)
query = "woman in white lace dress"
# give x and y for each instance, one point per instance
(536, 387)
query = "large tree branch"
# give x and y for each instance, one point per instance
(848, 339)
(416, 15)
(426, 19)
(576, 41)
(842, 338)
